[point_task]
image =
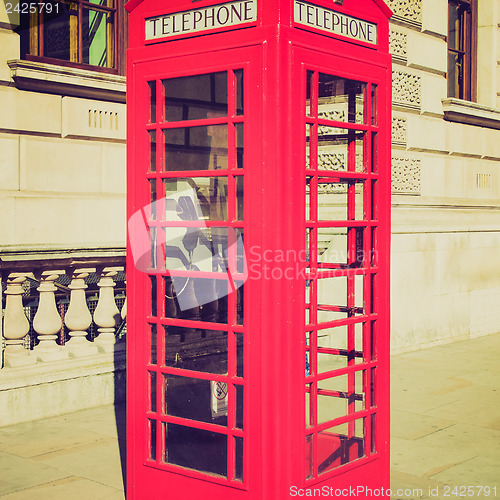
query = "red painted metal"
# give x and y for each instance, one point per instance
(293, 421)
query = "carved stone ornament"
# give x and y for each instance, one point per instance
(406, 176)
(398, 45)
(407, 11)
(399, 130)
(406, 89)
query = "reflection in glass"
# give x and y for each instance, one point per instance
(191, 398)
(334, 202)
(94, 38)
(341, 99)
(309, 78)
(152, 206)
(153, 357)
(334, 146)
(195, 97)
(196, 449)
(57, 32)
(333, 298)
(239, 91)
(196, 349)
(374, 104)
(336, 446)
(196, 148)
(309, 455)
(239, 145)
(152, 93)
(196, 198)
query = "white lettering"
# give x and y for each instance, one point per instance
(327, 20)
(203, 19)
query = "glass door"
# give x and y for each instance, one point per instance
(342, 284)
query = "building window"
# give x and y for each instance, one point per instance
(462, 49)
(77, 32)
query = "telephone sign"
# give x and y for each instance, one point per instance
(258, 248)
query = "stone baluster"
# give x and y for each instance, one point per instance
(124, 310)
(78, 318)
(47, 321)
(16, 326)
(106, 314)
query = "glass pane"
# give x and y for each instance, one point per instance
(309, 455)
(196, 148)
(309, 78)
(334, 146)
(152, 439)
(238, 469)
(153, 356)
(339, 199)
(335, 295)
(196, 198)
(454, 27)
(196, 349)
(309, 413)
(57, 31)
(374, 104)
(196, 449)
(239, 407)
(338, 446)
(340, 396)
(196, 97)
(152, 156)
(239, 145)
(152, 391)
(195, 399)
(335, 351)
(341, 99)
(239, 198)
(455, 75)
(239, 91)
(153, 196)
(374, 433)
(239, 354)
(152, 94)
(195, 299)
(153, 295)
(94, 38)
(373, 387)
(340, 247)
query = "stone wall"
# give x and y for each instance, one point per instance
(63, 157)
(446, 184)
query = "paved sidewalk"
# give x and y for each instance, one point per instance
(445, 432)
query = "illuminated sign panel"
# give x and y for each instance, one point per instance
(329, 21)
(200, 20)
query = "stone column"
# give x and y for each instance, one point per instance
(78, 318)
(106, 314)
(15, 325)
(47, 321)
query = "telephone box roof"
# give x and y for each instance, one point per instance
(132, 4)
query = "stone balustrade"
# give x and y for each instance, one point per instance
(52, 313)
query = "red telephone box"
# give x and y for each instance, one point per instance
(259, 233)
